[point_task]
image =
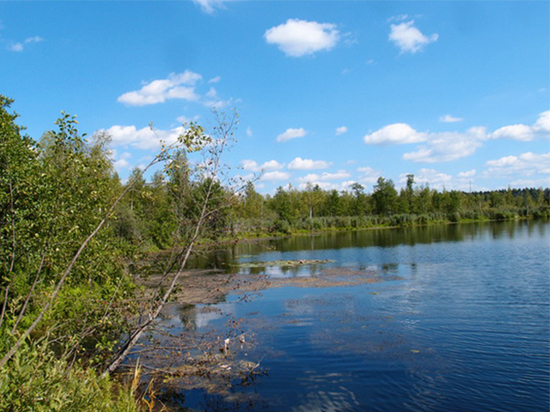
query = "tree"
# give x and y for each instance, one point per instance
(360, 199)
(69, 195)
(385, 197)
(332, 204)
(253, 202)
(18, 173)
(281, 204)
(407, 196)
(212, 200)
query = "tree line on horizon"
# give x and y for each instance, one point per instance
(148, 213)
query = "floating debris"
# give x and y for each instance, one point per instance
(284, 263)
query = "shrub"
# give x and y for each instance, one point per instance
(35, 380)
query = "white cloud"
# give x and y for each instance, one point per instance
(16, 47)
(144, 138)
(291, 134)
(212, 93)
(214, 101)
(448, 146)
(313, 177)
(187, 120)
(176, 86)
(322, 185)
(408, 38)
(276, 175)
(20, 46)
(366, 170)
(400, 17)
(450, 119)
(249, 132)
(253, 166)
(432, 177)
(34, 39)
(469, 173)
(398, 133)
(523, 132)
(543, 123)
(503, 161)
(531, 162)
(368, 175)
(541, 182)
(298, 38)
(272, 165)
(209, 6)
(214, 80)
(340, 174)
(517, 132)
(307, 164)
(518, 168)
(121, 164)
(439, 180)
(341, 130)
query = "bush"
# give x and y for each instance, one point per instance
(35, 380)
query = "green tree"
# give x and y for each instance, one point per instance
(19, 172)
(359, 205)
(253, 202)
(385, 197)
(406, 196)
(332, 204)
(281, 204)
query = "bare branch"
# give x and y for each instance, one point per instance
(5, 304)
(215, 150)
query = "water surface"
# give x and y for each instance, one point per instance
(457, 321)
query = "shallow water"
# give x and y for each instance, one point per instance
(458, 320)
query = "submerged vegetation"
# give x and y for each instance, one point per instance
(71, 233)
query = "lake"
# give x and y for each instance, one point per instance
(438, 318)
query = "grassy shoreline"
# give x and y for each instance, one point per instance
(246, 237)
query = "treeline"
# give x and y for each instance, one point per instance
(149, 214)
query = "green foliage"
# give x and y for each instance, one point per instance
(313, 209)
(19, 172)
(52, 195)
(36, 380)
(281, 204)
(384, 197)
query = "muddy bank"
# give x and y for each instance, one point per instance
(212, 286)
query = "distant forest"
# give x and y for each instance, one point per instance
(148, 215)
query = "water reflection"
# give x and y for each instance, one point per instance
(194, 317)
(338, 398)
(458, 319)
(274, 249)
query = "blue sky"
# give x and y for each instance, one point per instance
(328, 92)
